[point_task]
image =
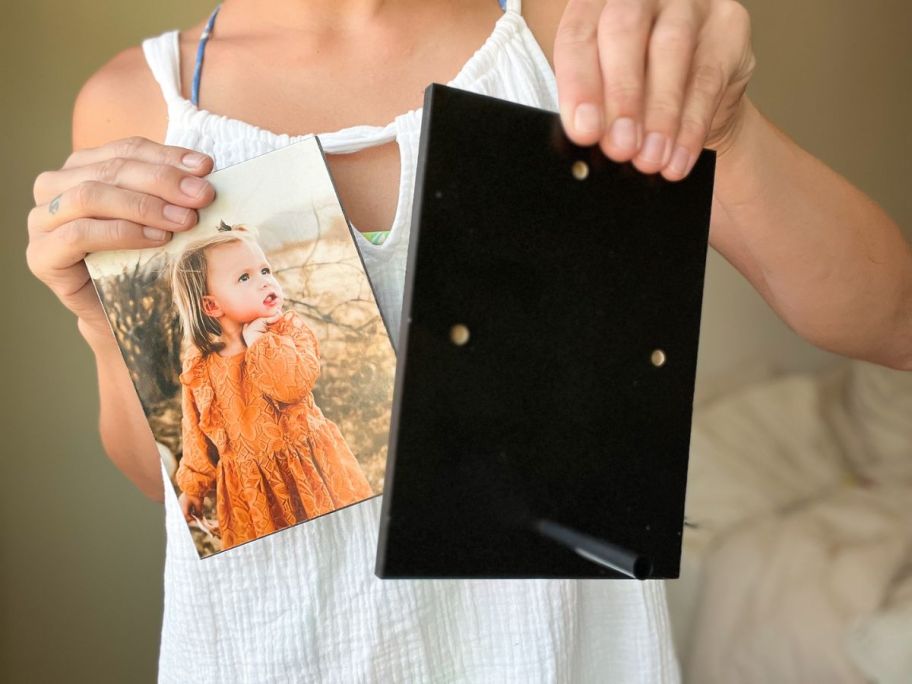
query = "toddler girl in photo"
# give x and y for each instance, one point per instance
(250, 427)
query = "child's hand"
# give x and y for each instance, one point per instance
(254, 330)
(211, 528)
(191, 506)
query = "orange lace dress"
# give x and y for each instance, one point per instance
(251, 429)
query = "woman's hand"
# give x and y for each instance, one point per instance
(127, 194)
(252, 331)
(653, 81)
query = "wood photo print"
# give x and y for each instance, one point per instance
(258, 351)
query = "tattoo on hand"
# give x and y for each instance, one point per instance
(54, 205)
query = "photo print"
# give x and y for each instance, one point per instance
(258, 352)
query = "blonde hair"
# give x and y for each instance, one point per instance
(189, 285)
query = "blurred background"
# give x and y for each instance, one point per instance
(82, 550)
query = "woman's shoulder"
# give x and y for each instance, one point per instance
(122, 99)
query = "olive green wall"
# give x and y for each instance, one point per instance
(81, 551)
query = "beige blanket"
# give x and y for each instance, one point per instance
(798, 567)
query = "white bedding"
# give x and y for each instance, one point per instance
(799, 568)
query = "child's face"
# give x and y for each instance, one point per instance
(241, 285)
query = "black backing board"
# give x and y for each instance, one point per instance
(554, 412)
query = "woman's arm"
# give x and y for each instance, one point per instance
(826, 257)
(125, 433)
(119, 101)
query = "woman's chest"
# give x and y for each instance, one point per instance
(368, 185)
(307, 86)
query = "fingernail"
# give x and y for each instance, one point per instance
(624, 134)
(193, 160)
(176, 214)
(690, 164)
(679, 161)
(192, 186)
(654, 148)
(156, 234)
(587, 119)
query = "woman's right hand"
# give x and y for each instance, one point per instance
(127, 194)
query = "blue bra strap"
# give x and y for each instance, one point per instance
(201, 48)
(204, 38)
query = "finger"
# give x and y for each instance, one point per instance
(68, 282)
(576, 68)
(622, 37)
(671, 47)
(146, 150)
(69, 244)
(710, 81)
(703, 99)
(165, 181)
(91, 199)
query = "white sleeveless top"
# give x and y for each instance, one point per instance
(303, 604)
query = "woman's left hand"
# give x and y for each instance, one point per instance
(653, 81)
